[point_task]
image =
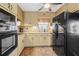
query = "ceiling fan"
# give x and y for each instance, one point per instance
(48, 6)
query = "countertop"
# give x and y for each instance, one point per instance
(38, 32)
(20, 33)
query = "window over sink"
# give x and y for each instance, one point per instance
(43, 27)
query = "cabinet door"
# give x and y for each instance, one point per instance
(22, 41)
(29, 40)
(36, 40)
(13, 8)
(45, 40)
(19, 13)
(20, 44)
(4, 6)
(9, 7)
(72, 7)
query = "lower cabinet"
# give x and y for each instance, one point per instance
(20, 43)
(38, 39)
(45, 39)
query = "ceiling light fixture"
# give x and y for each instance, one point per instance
(47, 5)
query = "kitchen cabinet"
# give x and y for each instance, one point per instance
(72, 7)
(4, 6)
(13, 8)
(38, 39)
(9, 7)
(45, 40)
(63, 8)
(33, 18)
(20, 15)
(31, 40)
(20, 43)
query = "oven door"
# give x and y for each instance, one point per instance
(8, 42)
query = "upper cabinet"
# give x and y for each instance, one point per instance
(13, 8)
(61, 9)
(4, 6)
(68, 7)
(20, 15)
(72, 7)
(9, 7)
(33, 18)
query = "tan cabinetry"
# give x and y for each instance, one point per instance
(38, 39)
(68, 7)
(9, 7)
(72, 7)
(45, 40)
(20, 15)
(20, 43)
(4, 6)
(13, 8)
(63, 8)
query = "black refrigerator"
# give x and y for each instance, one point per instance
(59, 34)
(72, 34)
(67, 42)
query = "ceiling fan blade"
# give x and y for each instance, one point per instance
(40, 8)
(56, 3)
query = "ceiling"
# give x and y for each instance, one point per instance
(35, 6)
